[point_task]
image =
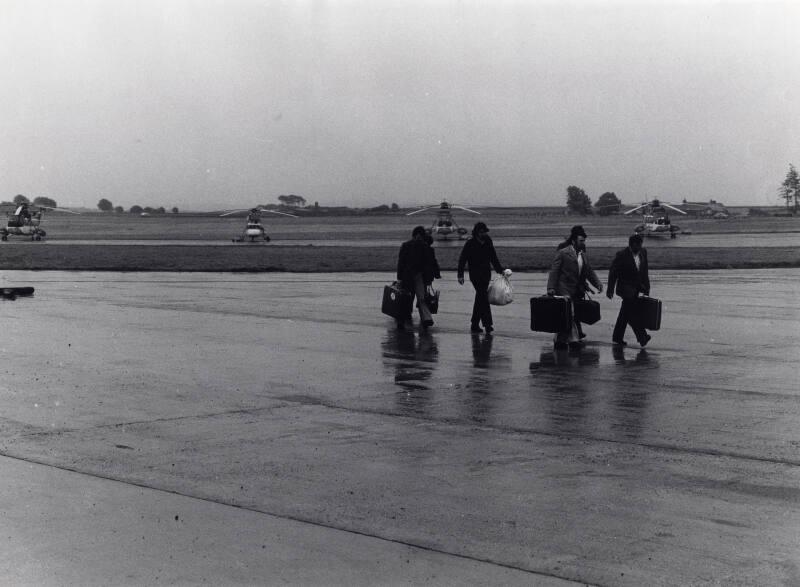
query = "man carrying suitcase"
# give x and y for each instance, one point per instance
(629, 273)
(413, 264)
(568, 275)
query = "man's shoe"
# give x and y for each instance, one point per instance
(582, 335)
(427, 323)
(489, 329)
(620, 342)
(475, 328)
(643, 342)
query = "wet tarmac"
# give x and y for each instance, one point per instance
(276, 428)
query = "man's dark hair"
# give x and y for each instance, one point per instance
(479, 226)
(634, 239)
(418, 230)
(577, 231)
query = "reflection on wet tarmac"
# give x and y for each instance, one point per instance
(583, 357)
(482, 350)
(640, 357)
(412, 358)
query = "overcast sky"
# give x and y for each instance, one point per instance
(211, 104)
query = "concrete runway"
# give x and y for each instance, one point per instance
(275, 429)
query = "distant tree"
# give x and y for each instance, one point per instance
(136, 209)
(44, 201)
(148, 209)
(577, 201)
(175, 210)
(119, 209)
(395, 207)
(292, 200)
(20, 199)
(607, 204)
(105, 205)
(161, 210)
(789, 190)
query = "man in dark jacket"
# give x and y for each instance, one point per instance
(413, 264)
(629, 273)
(479, 255)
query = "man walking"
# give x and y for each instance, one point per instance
(629, 273)
(568, 274)
(479, 255)
(413, 264)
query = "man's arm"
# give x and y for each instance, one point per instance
(462, 261)
(592, 276)
(552, 278)
(494, 260)
(612, 276)
(645, 273)
(401, 262)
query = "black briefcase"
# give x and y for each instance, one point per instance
(432, 300)
(551, 314)
(587, 311)
(648, 311)
(396, 302)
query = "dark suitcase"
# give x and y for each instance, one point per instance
(396, 302)
(432, 300)
(17, 291)
(648, 311)
(587, 311)
(551, 314)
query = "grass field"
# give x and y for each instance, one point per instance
(19, 253)
(504, 222)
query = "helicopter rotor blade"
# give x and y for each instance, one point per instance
(467, 209)
(59, 209)
(229, 212)
(421, 210)
(637, 208)
(673, 208)
(276, 212)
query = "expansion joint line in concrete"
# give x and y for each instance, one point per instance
(286, 401)
(534, 432)
(297, 519)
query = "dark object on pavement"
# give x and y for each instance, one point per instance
(10, 293)
(551, 314)
(432, 299)
(396, 302)
(648, 311)
(587, 311)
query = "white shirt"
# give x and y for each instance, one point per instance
(580, 263)
(637, 260)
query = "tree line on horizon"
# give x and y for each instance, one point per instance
(577, 201)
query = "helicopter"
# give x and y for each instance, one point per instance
(253, 228)
(444, 225)
(656, 220)
(26, 220)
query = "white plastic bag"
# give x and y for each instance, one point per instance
(500, 291)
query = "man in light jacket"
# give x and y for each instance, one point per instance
(568, 274)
